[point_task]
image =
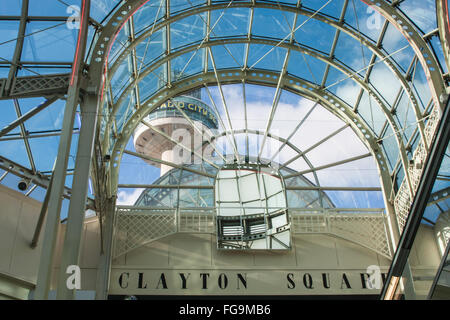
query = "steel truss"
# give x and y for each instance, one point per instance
(368, 227)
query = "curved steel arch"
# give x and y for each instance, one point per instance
(334, 23)
(358, 36)
(427, 58)
(332, 62)
(99, 62)
(425, 55)
(295, 85)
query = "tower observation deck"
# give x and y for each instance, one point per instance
(156, 137)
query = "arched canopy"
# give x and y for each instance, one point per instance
(378, 66)
(352, 51)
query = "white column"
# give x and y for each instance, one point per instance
(77, 207)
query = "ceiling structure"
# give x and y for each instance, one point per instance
(376, 68)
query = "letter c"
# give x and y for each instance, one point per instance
(121, 280)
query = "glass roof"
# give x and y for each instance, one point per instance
(262, 64)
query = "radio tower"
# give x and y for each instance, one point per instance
(170, 121)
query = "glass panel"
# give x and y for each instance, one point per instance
(371, 112)
(227, 56)
(302, 199)
(45, 150)
(365, 19)
(188, 64)
(229, 22)
(53, 7)
(352, 53)
(266, 57)
(421, 88)
(390, 147)
(101, 8)
(430, 242)
(347, 90)
(306, 67)
(188, 30)
(51, 41)
(314, 34)
(13, 8)
(120, 79)
(48, 119)
(180, 5)
(423, 13)
(437, 48)
(405, 117)
(148, 14)
(357, 199)
(395, 44)
(151, 48)
(189, 178)
(8, 35)
(195, 198)
(319, 124)
(152, 82)
(4, 70)
(268, 23)
(16, 151)
(120, 42)
(8, 115)
(359, 173)
(385, 82)
(333, 8)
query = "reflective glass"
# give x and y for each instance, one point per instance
(51, 41)
(272, 23)
(422, 12)
(229, 22)
(53, 7)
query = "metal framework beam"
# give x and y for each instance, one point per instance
(337, 163)
(174, 165)
(72, 240)
(19, 46)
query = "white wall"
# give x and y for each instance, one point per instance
(19, 263)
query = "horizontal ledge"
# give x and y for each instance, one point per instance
(299, 188)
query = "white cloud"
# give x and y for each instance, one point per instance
(290, 111)
(127, 198)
